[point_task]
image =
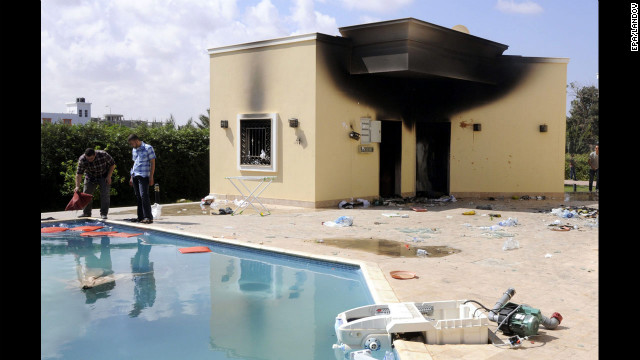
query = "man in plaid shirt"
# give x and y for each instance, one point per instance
(144, 166)
(97, 167)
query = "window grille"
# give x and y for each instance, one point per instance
(255, 142)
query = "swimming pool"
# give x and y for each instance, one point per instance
(231, 303)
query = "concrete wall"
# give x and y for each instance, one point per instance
(276, 79)
(510, 156)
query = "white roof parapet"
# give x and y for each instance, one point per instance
(263, 43)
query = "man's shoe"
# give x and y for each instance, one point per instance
(84, 216)
(103, 217)
(146, 221)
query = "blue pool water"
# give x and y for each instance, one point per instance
(232, 303)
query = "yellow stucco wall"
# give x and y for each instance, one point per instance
(509, 155)
(275, 79)
(341, 171)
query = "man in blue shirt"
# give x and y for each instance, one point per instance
(144, 166)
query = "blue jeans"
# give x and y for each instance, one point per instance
(141, 190)
(597, 175)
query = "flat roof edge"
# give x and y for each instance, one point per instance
(538, 59)
(272, 42)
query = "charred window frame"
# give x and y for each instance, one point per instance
(257, 142)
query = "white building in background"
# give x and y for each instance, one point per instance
(78, 112)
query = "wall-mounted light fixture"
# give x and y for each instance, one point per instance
(477, 127)
(543, 128)
(224, 124)
(354, 135)
(293, 122)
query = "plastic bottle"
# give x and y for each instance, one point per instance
(388, 355)
(510, 244)
(344, 221)
(422, 253)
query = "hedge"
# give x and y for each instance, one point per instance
(582, 166)
(182, 164)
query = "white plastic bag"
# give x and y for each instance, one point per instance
(156, 210)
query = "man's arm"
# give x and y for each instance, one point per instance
(111, 168)
(78, 181)
(79, 172)
(589, 161)
(153, 170)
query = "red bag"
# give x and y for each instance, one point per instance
(79, 201)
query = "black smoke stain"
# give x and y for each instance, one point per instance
(416, 97)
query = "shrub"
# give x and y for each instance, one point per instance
(582, 166)
(182, 164)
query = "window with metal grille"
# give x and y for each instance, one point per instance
(46, 120)
(255, 142)
(66, 121)
(86, 113)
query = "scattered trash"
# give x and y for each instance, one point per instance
(515, 197)
(510, 244)
(492, 227)
(225, 211)
(319, 241)
(557, 222)
(449, 217)
(416, 239)
(582, 211)
(422, 253)
(342, 221)
(499, 234)
(491, 216)
(467, 225)
(445, 198)
(156, 211)
(484, 207)
(548, 256)
(395, 215)
(207, 200)
(525, 197)
(470, 212)
(563, 228)
(240, 203)
(351, 204)
(492, 198)
(378, 202)
(418, 230)
(509, 222)
(418, 209)
(402, 275)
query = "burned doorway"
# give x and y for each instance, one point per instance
(390, 158)
(433, 140)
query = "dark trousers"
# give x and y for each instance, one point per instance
(595, 172)
(105, 199)
(572, 172)
(141, 190)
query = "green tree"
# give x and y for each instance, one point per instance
(583, 120)
(171, 122)
(204, 120)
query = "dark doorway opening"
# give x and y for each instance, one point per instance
(390, 158)
(433, 140)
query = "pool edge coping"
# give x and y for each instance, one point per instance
(378, 286)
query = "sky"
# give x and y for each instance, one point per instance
(147, 59)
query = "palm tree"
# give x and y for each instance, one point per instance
(204, 120)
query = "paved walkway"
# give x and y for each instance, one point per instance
(579, 182)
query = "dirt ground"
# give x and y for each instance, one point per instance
(555, 271)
